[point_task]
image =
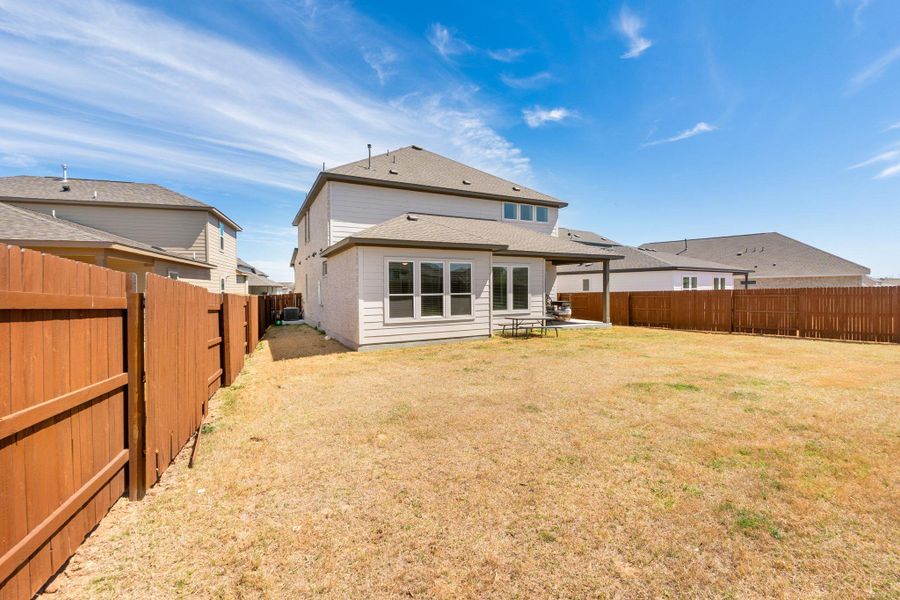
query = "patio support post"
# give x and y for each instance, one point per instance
(606, 311)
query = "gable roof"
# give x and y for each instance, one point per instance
(767, 254)
(415, 168)
(27, 188)
(640, 259)
(586, 237)
(416, 230)
(20, 225)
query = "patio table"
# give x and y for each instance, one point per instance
(523, 322)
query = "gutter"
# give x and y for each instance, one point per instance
(349, 242)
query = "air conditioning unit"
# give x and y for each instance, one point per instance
(290, 313)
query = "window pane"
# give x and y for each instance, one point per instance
(693, 283)
(460, 305)
(460, 278)
(401, 307)
(499, 288)
(525, 212)
(433, 306)
(509, 210)
(400, 278)
(542, 214)
(585, 285)
(685, 282)
(520, 287)
(432, 278)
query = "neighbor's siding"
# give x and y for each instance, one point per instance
(224, 261)
(372, 293)
(357, 207)
(646, 281)
(175, 230)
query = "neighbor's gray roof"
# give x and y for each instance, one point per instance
(19, 225)
(418, 169)
(586, 237)
(639, 259)
(432, 231)
(81, 191)
(767, 254)
(257, 280)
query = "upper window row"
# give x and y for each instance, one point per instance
(525, 212)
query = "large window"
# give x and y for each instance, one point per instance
(428, 289)
(718, 283)
(510, 288)
(401, 296)
(513, 211)
(541, 214)
(689, 283)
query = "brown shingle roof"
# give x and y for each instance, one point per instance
(639, 259)
(586, 237)
(423, 231)
(767, 254)
(415, 168)
(19, 225)
(81, 191)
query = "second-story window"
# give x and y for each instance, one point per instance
(526, 212)
(513, 211)
(510, 211)
(221, 236)
(541, 214)
(306, 228)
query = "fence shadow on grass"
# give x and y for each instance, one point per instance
(299, 341)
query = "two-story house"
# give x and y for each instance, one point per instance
(125, 226)
(410, 247)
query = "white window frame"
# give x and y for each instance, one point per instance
(221, 236)
(418, 294)
(509, 289)
(719, 283)
(417, 317)
(503, 211)
(691, 282)
(172, 275)
(531, 208)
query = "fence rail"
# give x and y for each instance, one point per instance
(869, 314)
(100, 387)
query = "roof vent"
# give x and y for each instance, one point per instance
(517, 188)
(66, 187)
(95, 194)
(414, 147)
(392, 171)
(412, 218)
(466, 182)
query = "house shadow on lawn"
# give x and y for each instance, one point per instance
(299, 341)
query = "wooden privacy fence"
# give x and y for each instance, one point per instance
(100, 387)
(869, 314)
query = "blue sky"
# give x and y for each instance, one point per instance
(654, 120)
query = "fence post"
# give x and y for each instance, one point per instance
(227, 375)
(137, 408)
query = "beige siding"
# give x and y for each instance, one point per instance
(224, 260)
(309, 267)
(356, 207)
(374, 329)
(179, 231)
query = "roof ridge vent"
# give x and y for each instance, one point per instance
(412, 217)
(466, 182)
(414, 147)
(517, 188)
(392, 171)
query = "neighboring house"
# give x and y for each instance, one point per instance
(642, 270)
(887, 281)
(257, 282)
(187, 239)
(410, 246)
(775, 259)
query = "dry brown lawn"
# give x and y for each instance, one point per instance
(629, 463)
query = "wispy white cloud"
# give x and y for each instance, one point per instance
(630, 26)
(538, 117)
(893, 127)
(507, 55)
(858, 7)
(381, 60)
(697, 129)
(889, 156)
(527, 83)
(127, 88)
(874, 70)
(445, 41)
(17, 160)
